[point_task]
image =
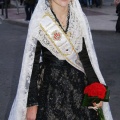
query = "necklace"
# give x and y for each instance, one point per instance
(61, 23)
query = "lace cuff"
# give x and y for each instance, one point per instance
(32, 104)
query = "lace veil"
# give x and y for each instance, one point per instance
(18, 110)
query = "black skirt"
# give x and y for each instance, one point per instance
(61, 93)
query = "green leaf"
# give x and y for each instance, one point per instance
(100, 114)
(107, 96)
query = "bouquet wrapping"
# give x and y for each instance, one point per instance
(94, 93)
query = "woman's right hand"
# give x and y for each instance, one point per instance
(31, 113)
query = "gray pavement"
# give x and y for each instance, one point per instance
(107, 47)
(12, 41)
(0, 22)
(104, 19)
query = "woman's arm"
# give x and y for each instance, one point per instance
(32, 101)
(90, 73)
(33, 91)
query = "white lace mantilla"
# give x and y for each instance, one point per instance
(74, 31)
(79, 28)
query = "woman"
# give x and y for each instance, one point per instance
(60, 34)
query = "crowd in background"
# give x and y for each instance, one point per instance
(91, 3)
(30, 5)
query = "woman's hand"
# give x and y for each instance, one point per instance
(31, 113)
(98, 105)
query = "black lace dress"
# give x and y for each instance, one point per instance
(58, 91)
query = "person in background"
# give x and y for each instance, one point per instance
(21, 2)
(89, 3)
(117, 4)
(1, 4)
(118, 20)
(29, 8)
(98, 3)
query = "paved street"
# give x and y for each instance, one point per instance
(12, 40)
(0, 22)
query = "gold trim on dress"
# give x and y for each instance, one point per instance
(77, 65)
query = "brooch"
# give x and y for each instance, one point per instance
(56, 35)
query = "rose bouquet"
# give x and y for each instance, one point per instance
(94, 93)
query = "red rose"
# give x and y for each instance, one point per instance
(95, 90)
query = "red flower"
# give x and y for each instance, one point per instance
(96, 90)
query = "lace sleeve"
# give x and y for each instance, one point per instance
(90, 73)
(33, 91)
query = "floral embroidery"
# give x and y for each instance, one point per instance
(56, 35)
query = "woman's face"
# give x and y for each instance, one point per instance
(62, 3)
